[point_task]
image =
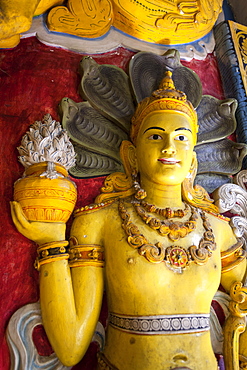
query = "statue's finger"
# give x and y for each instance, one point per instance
(18, 215)
(14, 216)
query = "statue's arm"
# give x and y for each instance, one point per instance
(233, 257)
(70, 306)
(70, 297)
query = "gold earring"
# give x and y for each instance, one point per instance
(139, 192)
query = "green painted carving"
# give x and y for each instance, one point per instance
(147, 70)
(96, 139)
(107, 89)
(222, 157)
(216, 118)
(98, 126)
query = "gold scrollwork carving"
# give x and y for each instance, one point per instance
(235, 325)
(82, 18)
(200, 256)
(116, 185)
(242, 40)
(154, 253)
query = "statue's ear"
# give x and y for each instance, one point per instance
(194, 162)
(193, 167)
(128, 156)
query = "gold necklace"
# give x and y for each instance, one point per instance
(176, 257)
(174, 230)
(165, 212)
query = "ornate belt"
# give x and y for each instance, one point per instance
(103, 363)
(161, 324)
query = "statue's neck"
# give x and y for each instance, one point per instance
(163, 196)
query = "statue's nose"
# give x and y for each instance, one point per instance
(169, 148)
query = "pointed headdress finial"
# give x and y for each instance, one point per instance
(168, 90)
(166, 98)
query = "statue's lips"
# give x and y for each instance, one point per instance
(168, 160)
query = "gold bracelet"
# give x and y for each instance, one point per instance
(232, 257)
(86, 255)
(50, 252)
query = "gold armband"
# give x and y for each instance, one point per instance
(232, 257)
(86, 255)
(50, 252)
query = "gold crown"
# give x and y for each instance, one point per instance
(166, 98)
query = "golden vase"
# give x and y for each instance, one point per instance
(43, 197)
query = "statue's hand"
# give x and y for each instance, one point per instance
(39, 232)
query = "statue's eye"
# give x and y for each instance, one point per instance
(155, 137)
(181, 138)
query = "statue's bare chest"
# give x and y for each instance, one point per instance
(141, 262)
(177, 243)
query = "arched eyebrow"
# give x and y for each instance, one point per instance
(162, 129)
(183, 128)
(154, 128)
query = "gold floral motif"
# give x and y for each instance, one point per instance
(177, 256)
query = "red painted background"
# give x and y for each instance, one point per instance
(33, 80)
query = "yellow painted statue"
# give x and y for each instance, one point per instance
(152, 241)
(163, 22)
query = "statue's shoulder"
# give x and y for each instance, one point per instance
(104, 207)
(218, 216)
(218, 222)
(223, 232)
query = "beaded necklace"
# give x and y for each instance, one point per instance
(165, 212)
(173, 229)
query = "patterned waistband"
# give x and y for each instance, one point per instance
(161, 324)
(103, 363)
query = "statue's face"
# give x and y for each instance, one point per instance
(164, 148)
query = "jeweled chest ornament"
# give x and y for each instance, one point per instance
(174, 230)
(176, 257)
